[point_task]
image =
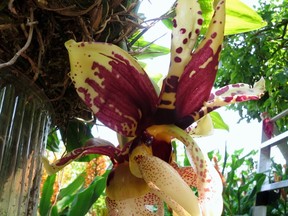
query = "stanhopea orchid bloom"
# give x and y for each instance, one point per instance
(120, 94)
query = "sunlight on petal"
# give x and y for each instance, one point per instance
(239, 92)
(215, 30)
(138, 151)
(234, 93)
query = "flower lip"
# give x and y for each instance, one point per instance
(121, 175)
(160, 144)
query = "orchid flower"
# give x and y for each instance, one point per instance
(120, 94)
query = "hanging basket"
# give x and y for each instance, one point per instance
(25, 119)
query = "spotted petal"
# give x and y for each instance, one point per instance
(129, 195)
(209, 183)
(113, 85)
(186, 28)
(143, 205)
(230, 94)
(203, 127)
(94, 146)
(190, 177)
(166, 183)
(187, 173)
(198, 78)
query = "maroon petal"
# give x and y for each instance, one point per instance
(94, 146)
(113, 85)
(197, 80)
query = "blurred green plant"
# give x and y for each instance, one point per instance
(242, 182)
(75, 199)
(277, 173)
(263, 52)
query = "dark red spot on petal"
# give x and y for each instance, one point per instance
(185, 40)
(211, 97)
(222, 90)
(214, 35)
(177, 59)
(174, 23)
(179, 50)
(237, 85)
(182, 30)
(228, 99)
(200, 21)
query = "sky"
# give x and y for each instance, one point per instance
(241, 135)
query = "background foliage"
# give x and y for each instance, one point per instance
(248, 56)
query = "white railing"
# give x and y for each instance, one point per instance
(264, 165)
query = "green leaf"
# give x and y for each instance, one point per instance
(168, 22)
(241, 18)
(207, 13)
(186, 160)
(54, 211)
(67, 195)
(63, 204)
(218, 122)
(53, 142)
(144, 49)
(85, 198)
(47, 192)
(260, 179)
(78, 132)
(72, 187)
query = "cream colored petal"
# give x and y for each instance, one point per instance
(138, 151)
(136, 206)
(209, 183)
(187, 173)
(186, 28)
(166, 183)
(122, 185)
(203, 127)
